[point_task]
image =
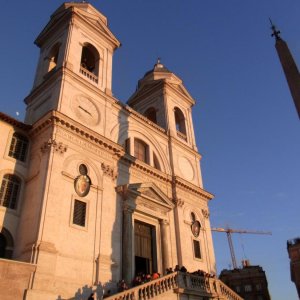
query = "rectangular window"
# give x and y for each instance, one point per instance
(9, 191)
(140, 150)
(127, 146)
(258, 287)
(18, 147)
(197, 251)
(248, 288)
(79, 213)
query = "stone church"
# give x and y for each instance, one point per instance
(92, 190)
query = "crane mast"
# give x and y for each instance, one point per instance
(229, 231)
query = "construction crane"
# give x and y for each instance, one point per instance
(229, 231)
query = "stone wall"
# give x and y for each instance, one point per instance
(14, 279)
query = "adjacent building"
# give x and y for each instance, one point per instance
(92, 190)
(250, 282)
(293, 247)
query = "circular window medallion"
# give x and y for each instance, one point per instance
(196, 228)
(186, 168)
(82, 182)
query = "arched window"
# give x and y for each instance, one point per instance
(195, 228)
(150, 114)
(89, 64)
(141, 150)
(156, 162)
(18, 146)
(9, 191)
(53, 57)
(179, 121)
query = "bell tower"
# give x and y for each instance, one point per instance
(162, 98)
(74, 71)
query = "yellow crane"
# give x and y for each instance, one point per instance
(229, 231)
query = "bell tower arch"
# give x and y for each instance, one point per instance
(76, 52)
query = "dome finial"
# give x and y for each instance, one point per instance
(158, 63)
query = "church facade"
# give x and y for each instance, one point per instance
(93, 190)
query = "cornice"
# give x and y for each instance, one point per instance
(138, 164)
(68, 15)
(185, 146)
(49, 78)
(14, 122)
(76, 14)
(189, 100)
(59, 119)
(52, 26)
(134, 113)
(146, 90)
(58, 74)
(192, 188)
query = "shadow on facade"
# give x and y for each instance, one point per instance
(124, 213)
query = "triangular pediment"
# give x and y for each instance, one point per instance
(151, 192)
(183, 91)
(145, 90)
(88, 13)
(100, 24)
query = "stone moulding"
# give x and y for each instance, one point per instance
(14, 122)
(59, 119)
(192, 188)
(109, 171)
(57, 146)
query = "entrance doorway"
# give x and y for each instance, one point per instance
(3, 244)
(144, 248)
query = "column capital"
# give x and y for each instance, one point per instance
(164, 222)
(127, 208)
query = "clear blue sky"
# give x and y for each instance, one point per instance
(246, 125)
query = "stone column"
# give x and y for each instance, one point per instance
(164, 226)
(127, 249)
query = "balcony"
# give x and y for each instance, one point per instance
(91, 76)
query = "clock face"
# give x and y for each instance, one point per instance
(86, 110)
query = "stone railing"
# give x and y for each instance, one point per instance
(182, 135)
(88, 74)
(206, 285)
(182, 283)
(148, 290)
(227, 293)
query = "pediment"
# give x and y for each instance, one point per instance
(151, 193)
(144, 90)
(87, 12)
(101, 26)
(183, 91)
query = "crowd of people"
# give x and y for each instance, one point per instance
(141, 278)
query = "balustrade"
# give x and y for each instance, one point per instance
(182, 135)
(88, 74)
(201, 284)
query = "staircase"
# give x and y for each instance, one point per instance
(171, 286)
